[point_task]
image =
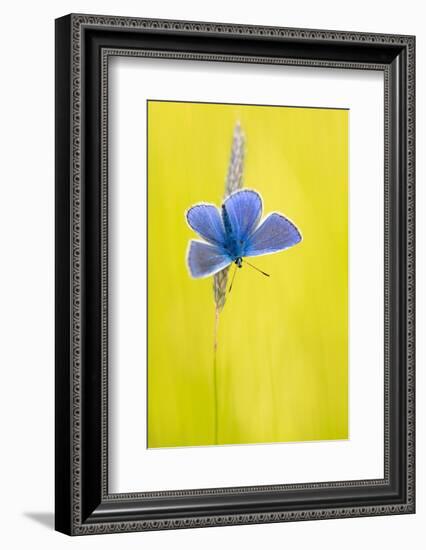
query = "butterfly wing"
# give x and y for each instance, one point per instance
(205, 220)
(274, 234)
(241, 213)
(205, 259)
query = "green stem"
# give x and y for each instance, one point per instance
(216, 422)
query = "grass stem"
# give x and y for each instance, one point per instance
(216, 404)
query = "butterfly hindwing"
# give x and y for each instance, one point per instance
(206, 259)
(241, 213)
(205, 220)
(275, 233)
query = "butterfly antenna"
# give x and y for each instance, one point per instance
(257, 269)
(233, 277)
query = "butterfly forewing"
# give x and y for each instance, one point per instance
(241, 212)
(275, 233)
(205, 220)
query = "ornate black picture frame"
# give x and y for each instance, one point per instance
(84, 43)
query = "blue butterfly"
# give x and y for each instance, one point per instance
(234, 233)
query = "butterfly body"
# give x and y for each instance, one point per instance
(231, 245)
(234, 232)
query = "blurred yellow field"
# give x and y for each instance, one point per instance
(281, 369)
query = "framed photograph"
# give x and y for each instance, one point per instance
(234, 274)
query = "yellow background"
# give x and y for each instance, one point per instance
(282, 363)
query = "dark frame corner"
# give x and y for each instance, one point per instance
(83, 46)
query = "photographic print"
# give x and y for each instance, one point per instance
(247, 274)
